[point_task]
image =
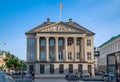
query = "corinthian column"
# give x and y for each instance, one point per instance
(65, 47)
(84, 55)
(37, 48)
(75, 48)
(56, 48)
(47, 48)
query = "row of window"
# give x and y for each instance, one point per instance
(111, 48)
(52, 56)
(61, 68)
(60, 42)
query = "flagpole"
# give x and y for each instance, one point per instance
(60, 15)
(60, 12)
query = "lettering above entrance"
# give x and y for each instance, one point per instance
(58, 28)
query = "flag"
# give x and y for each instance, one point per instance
(61, 6)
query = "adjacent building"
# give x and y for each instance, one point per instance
(59, 48)
(96, 59)
(112, 46)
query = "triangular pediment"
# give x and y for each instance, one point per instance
(59, 27)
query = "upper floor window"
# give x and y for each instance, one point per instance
(32, 56)
(88, 42)
(60, 42)
(32, 41)
(52, 42)
(69, 55)
(52, 56)
(43, 55)
(42, 43)
(78, 55)
(60, 56)
(89, 56)
(69, 42)
(78, 42)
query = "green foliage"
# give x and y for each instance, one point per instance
(2, 67)
(13, 63)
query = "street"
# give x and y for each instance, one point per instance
(58, 80)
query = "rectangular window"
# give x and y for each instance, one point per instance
(78, 42)
(78, 55)
(88, 42)
(60, 55)
(89, 56)
(70, 68)
(52, 56)
(43, 56)
(80, 68)
(31, 68)
(89, 69)
(61, 68)
(69, 42)
(32, 56)
(69, 55)
(32, 42)
(42, 68)
(60, 42)
(52, 42)
(51, 68)
(42, 42)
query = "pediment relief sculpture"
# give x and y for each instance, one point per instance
(58, 28)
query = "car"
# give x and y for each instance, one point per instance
(67, 76)
(71, 77)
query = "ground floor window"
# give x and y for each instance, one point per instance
(61, 68)
(70, 68)
(51, 68)
(42, 68)
(89, 69)
(80, 68)
(31, 68)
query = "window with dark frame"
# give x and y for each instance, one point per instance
(78, 42)
(78, 55)
(69, 42)
(61, 68)
(42, 68)
(70, 68)
(51, 68)
(80, 68)
(69, 55)
(88, 42)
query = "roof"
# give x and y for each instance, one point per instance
(73, 24)
(110, 40)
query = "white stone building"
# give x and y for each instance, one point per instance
(59, 48)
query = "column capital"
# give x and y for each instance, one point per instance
(56, 37)
(47, 37)
(37, 37)
(65, 37)
(75, 37)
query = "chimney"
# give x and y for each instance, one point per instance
(48, 20)
(70, 20)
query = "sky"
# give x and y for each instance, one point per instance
(19, 16)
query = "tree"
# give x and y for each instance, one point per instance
(13, 63)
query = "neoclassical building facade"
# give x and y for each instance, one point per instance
(60, 48)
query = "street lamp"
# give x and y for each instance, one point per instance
(116, 67)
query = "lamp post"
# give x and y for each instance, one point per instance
(116, 67)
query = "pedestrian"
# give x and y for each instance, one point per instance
(33, 76)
